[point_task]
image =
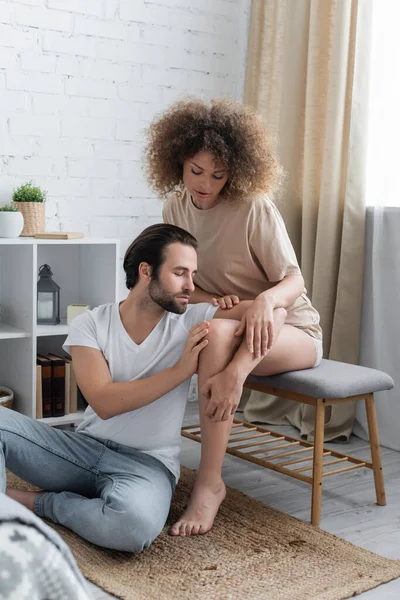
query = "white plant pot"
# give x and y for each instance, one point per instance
(11, 224)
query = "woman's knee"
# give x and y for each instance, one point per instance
(222, 334)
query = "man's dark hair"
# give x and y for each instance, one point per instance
(150, 246)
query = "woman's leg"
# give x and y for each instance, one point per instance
(293, 349)
(209, 489)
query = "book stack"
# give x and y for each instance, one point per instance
(56, 390)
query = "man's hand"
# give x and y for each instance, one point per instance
(194, 344)
(224, 391)
(225, 301)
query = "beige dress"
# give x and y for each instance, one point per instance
(245, 249)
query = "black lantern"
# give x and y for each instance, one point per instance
(48, 298)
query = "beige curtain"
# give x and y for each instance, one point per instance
(307, 74)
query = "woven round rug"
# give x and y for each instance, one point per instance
(253, 552)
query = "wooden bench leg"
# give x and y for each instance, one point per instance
(375, 450)
(318, 462)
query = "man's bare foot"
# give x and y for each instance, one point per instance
(203, 506)
(23, 497)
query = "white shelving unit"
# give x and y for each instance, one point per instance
(87, 272)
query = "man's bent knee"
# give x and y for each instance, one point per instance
(130, 532)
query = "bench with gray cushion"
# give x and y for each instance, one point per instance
(328, 384)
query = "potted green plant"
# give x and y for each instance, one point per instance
(30, 200)
(11, 221)
(6, 397)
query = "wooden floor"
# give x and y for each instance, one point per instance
(348, 500)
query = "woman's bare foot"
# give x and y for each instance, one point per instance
(203, 506)
(23, 497)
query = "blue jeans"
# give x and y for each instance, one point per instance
(111, 495)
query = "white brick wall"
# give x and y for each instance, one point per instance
(81, 79)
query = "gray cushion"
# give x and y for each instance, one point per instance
(331, 379)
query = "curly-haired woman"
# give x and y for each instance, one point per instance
(213, 164)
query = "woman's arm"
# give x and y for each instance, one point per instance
(284, 293)
(258, 321)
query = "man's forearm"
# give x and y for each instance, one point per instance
(122, 397)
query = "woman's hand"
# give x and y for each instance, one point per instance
(226, 301)
(258, 322)
(189, 361)
(223, 391)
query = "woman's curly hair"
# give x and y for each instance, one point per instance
(233, 133)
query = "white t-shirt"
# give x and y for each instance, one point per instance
(154, 428)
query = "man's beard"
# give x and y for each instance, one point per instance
(163, 298)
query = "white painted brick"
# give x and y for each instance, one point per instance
(131, 170)
(43, 18)
(147, 111)
(14, 101)
(129, 131)
(106, 69)
(32, 2)
(198, 41)
(22, 39)
(67, 65)
(153, 208)
(35, 82)
(17, 146)
(110, 8)
(154, 52)
(37, 167)
(67, 148)
(90, 88)
(80, 127)
(166, 35)
(9, 58)
(68, 187)
(108, 188)
(118, 150)
(205, 81)
(75, 224)
(107, 29)
(93, 167)
(129, 228)
(86, 7)
(162, 76)
(117, 50)
(41, 63)
(139, 12)
(143, 93)
(6, 12)
(25, 124)
(7, 184)
(114, 208)
(135, 188)
(47, 104)
(75, 206)
(51, 209)
(104, 227)
(75, 45)
(150, 54)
